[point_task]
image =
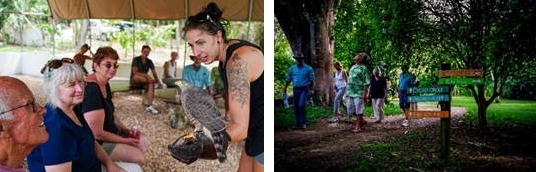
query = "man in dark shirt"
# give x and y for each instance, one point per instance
(139, 76)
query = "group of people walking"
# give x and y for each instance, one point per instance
(358, 85)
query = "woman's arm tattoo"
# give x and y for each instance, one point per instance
(237, 74)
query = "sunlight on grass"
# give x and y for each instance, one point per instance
(508, 111)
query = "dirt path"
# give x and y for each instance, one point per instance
(331, 147)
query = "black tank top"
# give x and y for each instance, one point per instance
(255, 137)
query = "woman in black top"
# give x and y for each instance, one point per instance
(242, 69)
(378, 88)
(121, 143)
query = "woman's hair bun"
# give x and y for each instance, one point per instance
(213, 10)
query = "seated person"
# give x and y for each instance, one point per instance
(169, 76)
(80, 58)
(98, 110)
(71, 145)
(21, 128)
(197, 75)
(139, 76)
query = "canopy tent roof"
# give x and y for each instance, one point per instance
(234, 10)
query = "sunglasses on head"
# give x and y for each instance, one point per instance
(56, 63)
(110, 65)
(32, 103)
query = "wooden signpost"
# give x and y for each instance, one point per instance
(427, 114)
(461, 73)
(442, 93)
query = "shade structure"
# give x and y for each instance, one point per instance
(234, 10)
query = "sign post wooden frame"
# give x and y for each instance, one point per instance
(442, 94)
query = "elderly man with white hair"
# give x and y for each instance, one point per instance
(21, 124)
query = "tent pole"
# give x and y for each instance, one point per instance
(88, 25)
(177, 39)
(249, 18)
(53, 37)
(186, 14)
(133, 28)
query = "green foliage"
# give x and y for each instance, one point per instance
(217, 85)
(124, 38)
(283, 60)
(494, 35)
(285, 118)
(50, 30)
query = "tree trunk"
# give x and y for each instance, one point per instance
(84, 25)
(482, 107)
(307, 26)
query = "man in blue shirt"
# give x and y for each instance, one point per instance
(197, 75)
(302, 76)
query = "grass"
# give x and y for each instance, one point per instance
(285, 118)
(400, 154)
(521, 112)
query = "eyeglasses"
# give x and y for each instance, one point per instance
(32, 103)
(56, 63)
(110, 65)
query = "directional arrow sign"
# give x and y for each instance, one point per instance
(463, 72)
(461, 81)
(429, 98)
(427, 114)
(433, 89)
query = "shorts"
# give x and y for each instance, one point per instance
(108, 147)
(260, 158)
(356, 103)
(404, 104)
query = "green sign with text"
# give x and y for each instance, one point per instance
(432, 89)
(461, 81)
(429, 98)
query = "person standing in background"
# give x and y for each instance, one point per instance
(378, 89)
(358, 83)
(407, 80)
(302, 76)
(80, 58)
(169, 76)
(340, 88)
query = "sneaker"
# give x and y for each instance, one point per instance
(405, 123)
(151, 109)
